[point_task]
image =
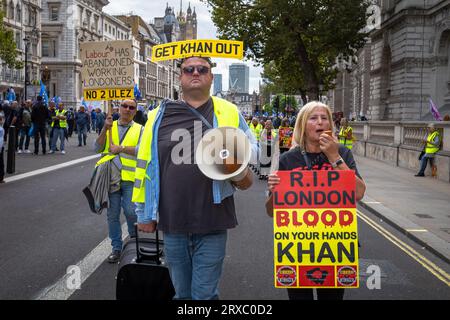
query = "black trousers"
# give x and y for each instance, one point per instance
(71, 124)
(39, 133)
(2, 165)
(322, 294)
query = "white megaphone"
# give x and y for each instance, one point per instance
(224, 153)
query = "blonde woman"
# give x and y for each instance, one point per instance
(316, 148)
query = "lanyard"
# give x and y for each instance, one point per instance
(200, 116)
(306, 158)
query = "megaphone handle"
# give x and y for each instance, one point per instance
(244, 180)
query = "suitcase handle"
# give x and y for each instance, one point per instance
(141, 252)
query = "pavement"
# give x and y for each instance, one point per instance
(416, 206)
(26, 162)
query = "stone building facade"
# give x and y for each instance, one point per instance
(66, 24)
(156, 80)
(404, 64)
(23, 17)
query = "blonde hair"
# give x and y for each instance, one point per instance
(302, 119)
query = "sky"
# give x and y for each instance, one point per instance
(206, 29)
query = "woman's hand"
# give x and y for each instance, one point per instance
(273, 181)
(329, 146)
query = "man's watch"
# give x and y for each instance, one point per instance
(337, 163)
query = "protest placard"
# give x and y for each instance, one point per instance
(203, 48)
(108, 70)
(315, 230)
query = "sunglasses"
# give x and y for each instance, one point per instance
(200, 69)
(125, 106)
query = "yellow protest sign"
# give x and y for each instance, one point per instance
(203, 48)
(315, 230)
(108, 94)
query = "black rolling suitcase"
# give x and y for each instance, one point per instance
(142, 273)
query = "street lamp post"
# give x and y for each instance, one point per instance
(34, 34)
(27, 45)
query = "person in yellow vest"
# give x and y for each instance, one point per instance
(346, 134)
(59, 127)
(193, 211)
(432, 146)
(122, 152)
(268, 141)
(256, 128)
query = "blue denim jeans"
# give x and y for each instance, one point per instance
(23, 134)
(58, 133)
(423, 163)
(118, 200)
(82, 135)
(195, 263)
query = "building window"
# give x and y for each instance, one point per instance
(11, 10)
(49, 48)
(18, 42)
(54, 12)
(34, 49)
(18, 13)
(96, 27)
(32, 17)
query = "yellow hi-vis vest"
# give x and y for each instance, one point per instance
(343, 137)
(131, 140)
(62, 123)
(227, 115)
(430, 147)
(256, 130)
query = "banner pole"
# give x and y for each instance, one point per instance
(110, 130)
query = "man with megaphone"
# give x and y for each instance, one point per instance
(192, 202)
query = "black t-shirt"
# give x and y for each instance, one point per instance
(293, 159)
(186, 199)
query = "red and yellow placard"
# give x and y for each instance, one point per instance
(315, 230)
(285, 136)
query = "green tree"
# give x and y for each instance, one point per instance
(8, 50)
(298, 40)
(287, 100)
(267, 108)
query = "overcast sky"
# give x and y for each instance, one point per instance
(205, 30)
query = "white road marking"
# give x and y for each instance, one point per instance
(48, 169)
(88, 265)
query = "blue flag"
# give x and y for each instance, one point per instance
(43, 93)
(84, 104)
(137, 93)
(57, 100)
(11, 96)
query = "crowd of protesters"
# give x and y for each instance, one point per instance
(43, 125)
